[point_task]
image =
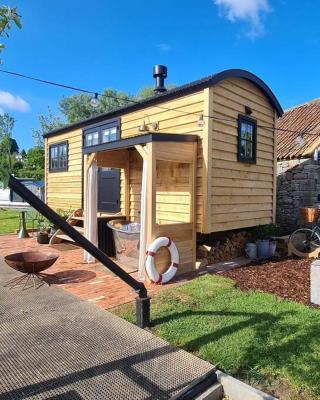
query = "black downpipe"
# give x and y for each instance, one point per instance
(143, 317)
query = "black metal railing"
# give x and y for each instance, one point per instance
(143, 301)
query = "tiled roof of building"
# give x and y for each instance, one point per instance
(303, 119)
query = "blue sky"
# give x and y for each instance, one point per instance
(115, 43)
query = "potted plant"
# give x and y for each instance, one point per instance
(42, 235)
(262, 241)
(266, 245)
(251, 249)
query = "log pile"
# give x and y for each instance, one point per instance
(224, 248)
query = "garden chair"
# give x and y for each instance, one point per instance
(31, 217)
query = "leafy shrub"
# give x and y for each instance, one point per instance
(267, 231)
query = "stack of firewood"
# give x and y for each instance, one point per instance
(222, 249)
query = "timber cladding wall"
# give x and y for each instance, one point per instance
(173, 198)
(229, 194)
(240, 194)
(172, 121)
(64, 189)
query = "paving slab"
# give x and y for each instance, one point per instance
(228, 265)
(54, 345)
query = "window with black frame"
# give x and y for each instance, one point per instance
(107, 132)
(247, 139)
(58, 157)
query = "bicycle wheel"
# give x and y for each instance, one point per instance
(305, 240)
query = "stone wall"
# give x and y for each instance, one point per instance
(298, 185)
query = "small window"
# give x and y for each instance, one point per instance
(247, 132)
(58, 157)
(108, 132)
(109, 135)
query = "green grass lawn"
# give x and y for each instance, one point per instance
(252, 335)
(9, 221)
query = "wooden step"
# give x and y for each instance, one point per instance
(63, 236)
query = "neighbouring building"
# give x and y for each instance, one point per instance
(298, 181)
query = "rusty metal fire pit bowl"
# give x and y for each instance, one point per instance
(31, 264)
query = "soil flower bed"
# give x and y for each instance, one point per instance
(289, 278)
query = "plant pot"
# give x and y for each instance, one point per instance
(263, 247)
(53, 230)
(272, 248)
(42, 238)
(251, 250)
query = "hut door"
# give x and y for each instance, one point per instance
(108, 190)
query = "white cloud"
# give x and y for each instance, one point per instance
(164, 47)
(12, 102)
(251, 11)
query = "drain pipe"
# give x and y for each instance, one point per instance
(142, 302)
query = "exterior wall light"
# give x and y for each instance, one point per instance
(248, 110)
(201, 121)
(155, 126)
(143, 127)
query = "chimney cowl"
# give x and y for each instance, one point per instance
(160, 73)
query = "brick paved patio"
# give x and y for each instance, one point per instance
(92, 282)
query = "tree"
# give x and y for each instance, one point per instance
(14, 148)
(8, 17)
(145, 92)
(33, 166)
(148, 91)
(6, 142)
(48, 122)
(78, 107)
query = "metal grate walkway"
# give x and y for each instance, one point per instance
(58, 347)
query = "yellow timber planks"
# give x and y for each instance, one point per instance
(64, 189)
(241, 193)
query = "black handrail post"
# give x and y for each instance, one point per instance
(143, 312)
(143, 301)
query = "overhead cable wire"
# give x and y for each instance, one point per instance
(95, 93)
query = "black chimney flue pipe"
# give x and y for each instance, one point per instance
(160, 73)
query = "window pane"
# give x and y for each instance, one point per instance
(105, 136)
(63, 150)
(95, 139)
(89, 139)
(61, 162)
(249, 150)
(246, 131)
(113, 133)
(243, 148)
(54, 152)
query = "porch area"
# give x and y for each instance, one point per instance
(157, 191)
(90, 282)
